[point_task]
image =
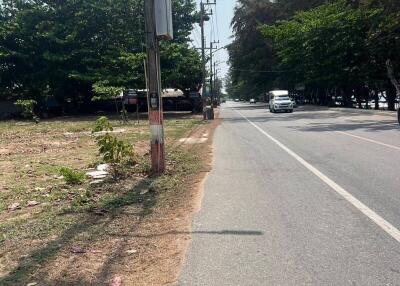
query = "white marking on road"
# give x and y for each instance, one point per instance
(380, 221)
(369, 140)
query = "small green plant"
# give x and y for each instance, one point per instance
(82, 198)
(124, 114)
(71, 176)
(28, 108)
(102, 124)
(111, 149)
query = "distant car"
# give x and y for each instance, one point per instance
(241, 99)
(253, 100)
(279, 100)
(236, 99)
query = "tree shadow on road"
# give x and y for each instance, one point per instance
(352, 119)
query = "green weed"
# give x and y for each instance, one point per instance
(71, 176)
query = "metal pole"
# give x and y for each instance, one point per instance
(154, 99)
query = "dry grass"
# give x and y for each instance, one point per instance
(136, 227)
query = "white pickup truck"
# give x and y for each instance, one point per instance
(279, 100)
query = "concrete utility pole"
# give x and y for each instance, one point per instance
(154, 99)
(216, 88)
(203, 58)
(211, 69)
(203, 15)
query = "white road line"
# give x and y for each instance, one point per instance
(380, 221)
(369, 140)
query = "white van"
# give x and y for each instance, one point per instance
(279, 100)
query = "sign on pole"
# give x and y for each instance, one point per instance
(163, 16)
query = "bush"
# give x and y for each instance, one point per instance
(71, 176)
(102, 124)
(111, 149)
(28, 108)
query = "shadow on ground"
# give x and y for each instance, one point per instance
(204, 232)
(322, 119)
(30, 265)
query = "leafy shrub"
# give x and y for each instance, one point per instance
(71, 176)
(102, 124)
(111, 149)
(28, 108)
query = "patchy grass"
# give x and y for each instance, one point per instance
(37, 241)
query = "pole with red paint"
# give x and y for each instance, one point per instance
(158, 24)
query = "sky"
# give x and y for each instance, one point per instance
(221, 31)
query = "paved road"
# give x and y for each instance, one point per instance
(309, 198)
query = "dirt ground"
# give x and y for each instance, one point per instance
(131, 231)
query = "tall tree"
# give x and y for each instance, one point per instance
(250, 54)
(63, 48)
(252, 57)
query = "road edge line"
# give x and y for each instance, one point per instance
(368, 140)
(377, 219)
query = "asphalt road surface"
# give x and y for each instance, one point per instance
(309, 198)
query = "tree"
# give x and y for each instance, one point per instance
(384, 45)
(252, 57)
(334, 47)
(250, 52)
(181, 66)
(62, 49)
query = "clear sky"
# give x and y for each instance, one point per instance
(217, 28)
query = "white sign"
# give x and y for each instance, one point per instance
(163, 16)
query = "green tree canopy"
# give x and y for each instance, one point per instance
(347, 48)
(62, 48)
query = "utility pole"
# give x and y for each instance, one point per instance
(203, 15)
(211, 69)
(217, 86)
(162, 27)
(203, 59)
(216, 82)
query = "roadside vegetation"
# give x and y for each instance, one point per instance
(59, 56)
(59, 225)
(78, 202)
(329, 52)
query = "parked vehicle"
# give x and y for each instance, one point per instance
(236, 99)
(253, 101)
(279, 100)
